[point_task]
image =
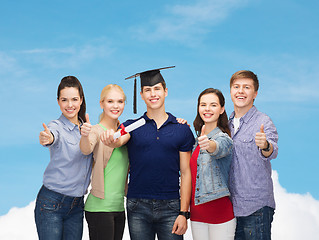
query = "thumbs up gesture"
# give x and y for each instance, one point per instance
(45, 136)
(86, 127)
(203, 140)
(260, 138)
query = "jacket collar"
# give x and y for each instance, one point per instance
(213, 132)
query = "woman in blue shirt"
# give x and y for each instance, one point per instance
(59, 204)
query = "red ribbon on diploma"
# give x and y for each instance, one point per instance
(123, 132)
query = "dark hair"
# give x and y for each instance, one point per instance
(245, 74)
(222, 122)
(163, 85)
(71, 81)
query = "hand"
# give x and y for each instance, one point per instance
(86, 127)
(180, 225)
(45, 136)
(182, 121)
(203, 140)
(260, 138)
(107, 137)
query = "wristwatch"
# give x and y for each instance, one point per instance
(185, 214)
(267, 149)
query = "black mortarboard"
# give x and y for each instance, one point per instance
(148, 78)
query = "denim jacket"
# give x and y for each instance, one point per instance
(213, 168)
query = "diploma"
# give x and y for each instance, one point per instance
(129, 128)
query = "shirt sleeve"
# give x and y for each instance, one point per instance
(54, 129)
(272, 137)
(188, 140)
(224, 146)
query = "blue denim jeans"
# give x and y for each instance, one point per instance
(58, 216)
(256, 226)
(147, 218)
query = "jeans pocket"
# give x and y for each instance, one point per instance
(174, 205)
(131, 204)
(48, 205)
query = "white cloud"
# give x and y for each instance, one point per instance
(282, 77)
(296, 217)
(291, 79)
(15, 66)
(186, 23)
(68, 57)
(6, 62)
(9, 66)
(18, 224)
(206, 10)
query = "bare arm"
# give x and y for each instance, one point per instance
(85, 144)
(180, 225)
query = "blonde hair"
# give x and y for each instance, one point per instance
(106, 90)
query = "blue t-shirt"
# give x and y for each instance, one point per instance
(154, 158)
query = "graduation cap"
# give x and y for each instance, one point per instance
(148, 78)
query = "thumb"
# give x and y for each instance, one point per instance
(46, 129)
(87, 118)
(174, 228)
(202, 133)
(262, 128)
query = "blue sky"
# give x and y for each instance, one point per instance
(103, 42)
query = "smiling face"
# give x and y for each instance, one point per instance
(210, 109)
(243, 94)
(154, 96)
(113, 104)
(70, 103)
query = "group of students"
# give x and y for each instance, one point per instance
(221, 180)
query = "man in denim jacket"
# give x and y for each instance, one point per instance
(254, 145)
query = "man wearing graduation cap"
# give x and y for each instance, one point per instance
(160, 179)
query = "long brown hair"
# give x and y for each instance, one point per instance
(71, 81)
(222, 122)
